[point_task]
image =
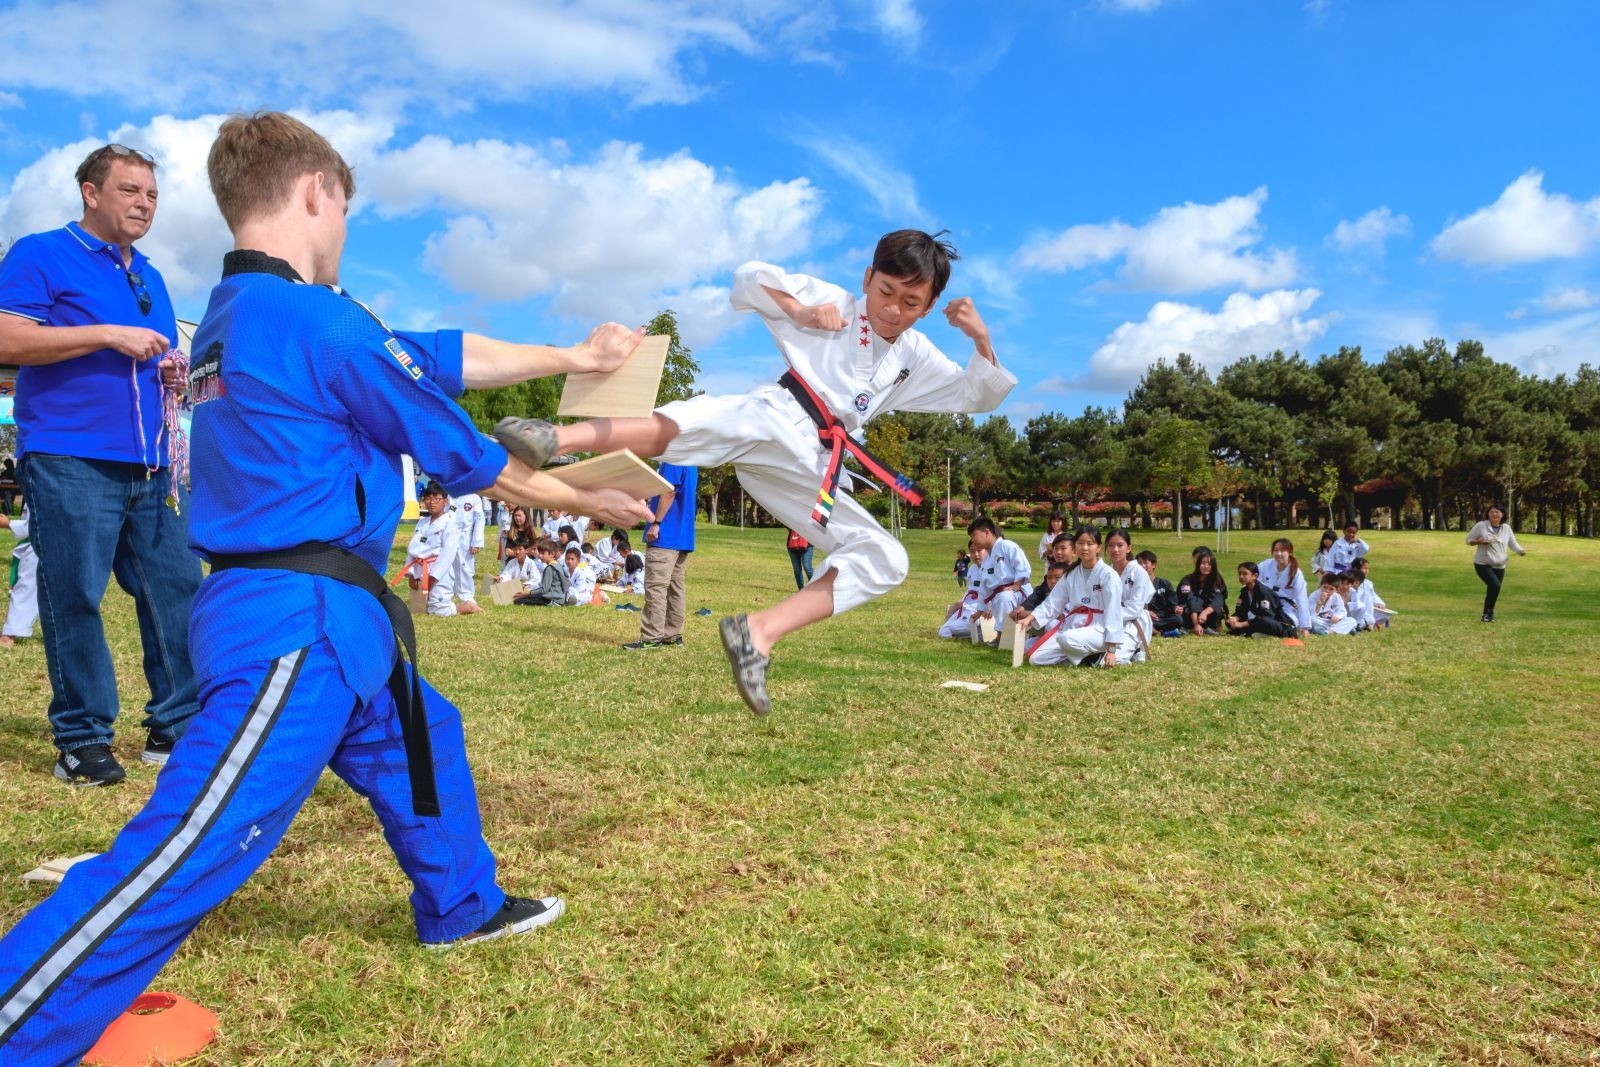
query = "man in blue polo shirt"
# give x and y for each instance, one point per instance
(668, 539)
(88, 320)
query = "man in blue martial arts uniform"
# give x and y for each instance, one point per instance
(305, 402)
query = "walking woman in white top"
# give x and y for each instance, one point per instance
(1493, 536)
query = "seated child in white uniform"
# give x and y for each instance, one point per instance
(1375, 612)
(1133, 644)
(632, 578)
(519, 568)
(1328, 612)
(580, 579)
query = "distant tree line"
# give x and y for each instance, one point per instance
(1429, 434)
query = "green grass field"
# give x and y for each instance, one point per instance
(1381, 848)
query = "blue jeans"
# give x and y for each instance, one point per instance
(92, 519)
(800, 559)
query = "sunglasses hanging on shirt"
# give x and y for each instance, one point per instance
(142, 294)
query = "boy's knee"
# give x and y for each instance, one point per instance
(897, 565)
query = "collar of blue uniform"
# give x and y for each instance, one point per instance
(249, 261)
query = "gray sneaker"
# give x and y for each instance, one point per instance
(749, 666)
(531, 440)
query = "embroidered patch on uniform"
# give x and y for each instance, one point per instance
(863, 401)
(399, 353)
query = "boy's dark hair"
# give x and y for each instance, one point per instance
(916, 256)
(986, 524)
(1253, 568)
(434, 489)
(545, 544)
(1329, 578)
(588, 549)
(574, 550)
(1062, 536)
(635, 563)
(1147, 556)
(1062, 567)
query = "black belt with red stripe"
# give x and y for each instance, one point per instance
(833, 434)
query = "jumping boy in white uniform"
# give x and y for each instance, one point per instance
(435, 541)
(850, 359)
(23, 610)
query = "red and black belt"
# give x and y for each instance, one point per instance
(833, 434)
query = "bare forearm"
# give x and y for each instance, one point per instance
(520, 484)
(488, 364)
(28, 344)
(786, 302)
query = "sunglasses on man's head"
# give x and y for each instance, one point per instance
(124, 150)
(136, 283)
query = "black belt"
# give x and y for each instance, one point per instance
(330, 561)
(832, 434)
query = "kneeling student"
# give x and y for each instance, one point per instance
(580, 579)
(1089, 601)
(1260, 609)
(958, 619)
(1133, 643)
(435, 541)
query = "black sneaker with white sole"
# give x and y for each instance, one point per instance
(157, 749)
(89, 765)
(517, 915)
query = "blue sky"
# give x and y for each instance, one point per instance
(1125, 179)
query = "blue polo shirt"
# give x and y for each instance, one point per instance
(304, 402)
(677, 528)
(86, 406)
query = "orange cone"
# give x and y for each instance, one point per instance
(158, 1028)
(1294, 642)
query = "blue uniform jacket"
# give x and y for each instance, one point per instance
(304, 402)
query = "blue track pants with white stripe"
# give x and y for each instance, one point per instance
(230, 790)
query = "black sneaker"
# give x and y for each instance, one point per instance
(675, 639)
(1092, 660)
(517, 915)
(157, 749)
(90, 765)
(642, 644)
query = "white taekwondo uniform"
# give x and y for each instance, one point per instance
(436, 541)
(1091, 603)
(774, 445)
(1292, 591)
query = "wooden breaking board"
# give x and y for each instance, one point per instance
(614, 470)
(627, 392)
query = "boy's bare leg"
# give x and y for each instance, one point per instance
(644, 437)
(811, 604)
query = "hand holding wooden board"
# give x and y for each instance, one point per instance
(627, 392)
(614, 470)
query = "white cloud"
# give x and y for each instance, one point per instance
(893, 191)
(617, 236)
(309, 52)
(898, 19)
(1370, 230)
(9, 100)
(1244, 325)
(1573, 299)
(1524, 225)
(1552, 347)
(189, 238)
(1184, 249)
